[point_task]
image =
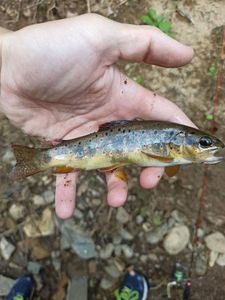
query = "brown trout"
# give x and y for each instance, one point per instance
(121, 143)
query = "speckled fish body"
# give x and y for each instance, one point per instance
(141, 143)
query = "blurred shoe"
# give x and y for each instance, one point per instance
(23, 289)
(134, 287)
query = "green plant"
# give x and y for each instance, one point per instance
(212, 71)
(209, 117)
(151, 18)
(140, 80)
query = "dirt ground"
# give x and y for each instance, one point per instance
(196, 23)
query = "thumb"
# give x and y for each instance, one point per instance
(144, 43)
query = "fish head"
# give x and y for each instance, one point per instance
(197, 146)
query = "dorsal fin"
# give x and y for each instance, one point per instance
(113, 124)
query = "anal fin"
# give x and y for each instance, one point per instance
(172, 170)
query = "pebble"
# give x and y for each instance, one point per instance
(117, 239)
(96, 202)
(107, 283)
(212, 258)
(156, 235)
(200, 233)
(17, 211)
(122, 215)
(153, 257)
(118, 250)
(144, 258)
(177, 239)
(112, 271)
(77, 289)
(216, 242)
(5, 285)
(221, 260)
(34, 267)
(107, 251)
(6, 248)
(139, 219)
(200, 266)
(49, 196)
(78, 214)
(8, 157)
(74, 237)
(126, 235)
(127, 251)
(40, 227)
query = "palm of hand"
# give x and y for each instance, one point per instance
(60, 81)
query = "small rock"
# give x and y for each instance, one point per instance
(92, 267)
(78, 214)
(96, 202)
(201, 266)
(40, 227)
(119, 264)
(34, 267)
(5, 285)
(6, 248)
(17, 211)
(216, 242)
(107, 283)
(157, 234)
(126, 235)
(144, 258)
(212, 258)
(76, 238)
(107, 251)
(153, 257)
(178, 217)
(146, 226)
(127, 251)
(200, 233)
(38, 200)
(118, 250)
(177, 239)
(122, 215)
(221, 260)
(139, 219)
(117, 239)
(77, 289)
(49, 196)
(8, 157)
(112, 271)
(56, 262)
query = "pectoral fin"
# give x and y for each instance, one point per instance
(121, 175)
(62, 170)
(172, 170)
(159, 158)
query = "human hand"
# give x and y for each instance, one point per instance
(59, 80)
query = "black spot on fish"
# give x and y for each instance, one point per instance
(106, 133)
(155, 131)
(129, 130)
(171, 133)
(119, 129)
(125, 81)
(124, 131)
(143, 132)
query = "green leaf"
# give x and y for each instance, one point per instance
(152, 14)
(209, 117)
(165, 26)
(140, 80)
(159, 20)
(157, 221)
(212, 70)
(146, 20)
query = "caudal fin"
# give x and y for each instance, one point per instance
(26, 162)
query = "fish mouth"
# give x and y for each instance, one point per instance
(214, 159)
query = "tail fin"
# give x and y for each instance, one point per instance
(26, 165)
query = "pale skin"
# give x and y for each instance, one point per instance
(59, 80)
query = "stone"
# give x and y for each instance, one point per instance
(5, 285)
(221, 260)
(76, 238)
(122, 215)
(17, 211)
(107, 251)
(34, 267)
(6, 248)
(112, 271)
(139, 219)
(43, 226)
(201, 266)
(216, 242)
(127, 251)
(117, 239)
(156, 235)
(212, 258)
(78, 289)
(126, 235)
(118, 250)
(107, 283)
(177, 239)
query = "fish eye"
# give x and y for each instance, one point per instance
(205, 142)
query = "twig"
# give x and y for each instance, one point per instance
(201, 196)
(88, 6)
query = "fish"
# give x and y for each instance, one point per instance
(122, 143)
